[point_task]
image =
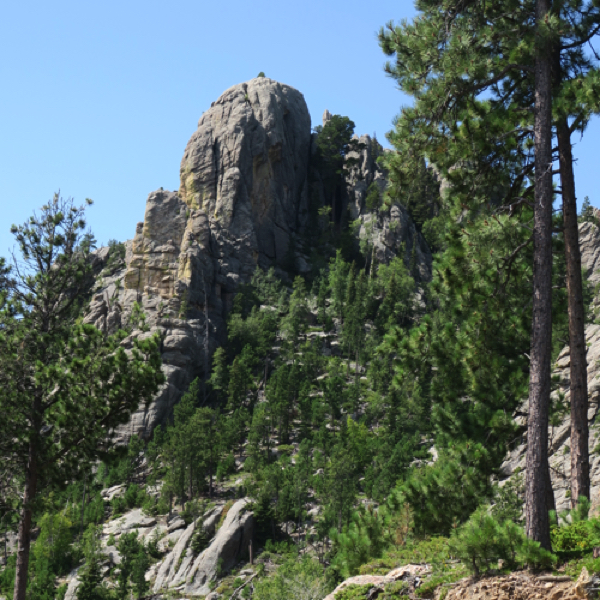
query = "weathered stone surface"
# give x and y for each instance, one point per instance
(377, 581)
(72, 585)
(177, 523)
(178, 560)
(521, 586)
(134, 519)
(230, 542)
(246, 168)
(243, 199)
(386, 232)
(589, 240)
(171, 563)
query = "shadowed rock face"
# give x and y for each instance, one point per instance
(243, 197)
(385, 232)
(243, 193)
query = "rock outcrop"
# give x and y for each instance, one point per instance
(404, 581)
(183, 571)
(523, 586)
(589, 241)
(243, 202)
(385, 232)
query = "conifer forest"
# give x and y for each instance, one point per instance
(321, 368)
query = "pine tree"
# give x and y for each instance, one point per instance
(515, 70)
(63, 384)
(90, 575)
(576, 91)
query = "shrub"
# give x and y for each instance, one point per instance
(193, 509)
(578, 534)
(200, 540)
(482, 541)
(226, 467)
(294, 579)
(134, 496)
(118, 505)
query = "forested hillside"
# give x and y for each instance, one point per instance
(319, 359)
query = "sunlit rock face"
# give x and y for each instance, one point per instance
(244, 182)
(247, 180)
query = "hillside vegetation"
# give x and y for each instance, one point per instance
(320, 361)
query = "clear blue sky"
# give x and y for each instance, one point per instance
(100, 98)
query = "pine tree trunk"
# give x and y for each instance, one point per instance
(538, 526)
(25, 524)
(580, 468)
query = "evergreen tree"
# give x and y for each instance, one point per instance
(479, 54)
(334, 141)
(294, 324)
(90, 576)
(63, 384)
(133, 566)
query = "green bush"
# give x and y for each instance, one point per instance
(226, 467)
(578, 534)
(193, 509)
(482, 541)
(370, 532)
(354, 592)
(294, 579)
(134, 496)
(118, 505)
(200, 540)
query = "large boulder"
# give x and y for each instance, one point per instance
(230, 543)
(182, 570)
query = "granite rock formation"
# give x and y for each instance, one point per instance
(385, 232)
(244, 202)
(182, 570)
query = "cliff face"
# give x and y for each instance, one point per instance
(385, 232)
(244, 201)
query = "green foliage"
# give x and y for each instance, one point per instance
(53, 545)
(116, 257)
(587, 212)
(482, 541)
(373, 198)
(200, 540)
(370, 532)
(63, 384)
(187, 451)
(334, 141)
(354, 592)
(133, 567)
(577, 534)
(90, 587)
(296, 579)
(509, 500)
(261, 74)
